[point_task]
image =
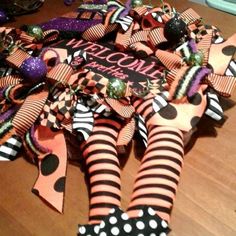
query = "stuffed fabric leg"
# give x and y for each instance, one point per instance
(159, 173)
(158, 176)
(103, 168)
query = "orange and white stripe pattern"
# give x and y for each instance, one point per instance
(60, 73)
(204, 46)
(9, 80)
(26, 38)
(141, 35)
(170, 60)
(16, 59)
(124, 110)
(190, 16)
(156, 36)
(98, 31)
(126, 133)
(29, 112)
(223, 84)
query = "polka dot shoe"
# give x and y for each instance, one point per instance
(88, 230)
(149, 223)
(117, 223)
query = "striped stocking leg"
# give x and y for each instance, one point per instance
(103, 168)
(159, 173)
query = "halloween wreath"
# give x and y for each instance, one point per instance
(101, 74)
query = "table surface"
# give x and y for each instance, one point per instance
(206, 198)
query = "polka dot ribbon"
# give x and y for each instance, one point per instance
(118, 223)
(187, 78)
(50, 184)
(46, 148)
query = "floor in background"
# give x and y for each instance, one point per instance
(203, 2)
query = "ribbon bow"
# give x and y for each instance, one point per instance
(49, 104)
(185, 77)
(32, 42)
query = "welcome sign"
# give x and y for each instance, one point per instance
(105, 60)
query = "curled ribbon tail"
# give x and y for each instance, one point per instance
(50, 184)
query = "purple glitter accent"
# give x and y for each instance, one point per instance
(127, 9)
(3, 17)
(35, 142)
(192, 45)
(68, 2)
(99, 1)
(69, 24)
(6, 115)
(33, 69)
(1, 92)
(195, 84)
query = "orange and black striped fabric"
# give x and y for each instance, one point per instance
(16, 59)
(29, 112)
(9, 80)
(159, 172)
(103, 168)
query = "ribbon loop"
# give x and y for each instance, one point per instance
(29, 112)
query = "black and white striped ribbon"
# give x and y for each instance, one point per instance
(125, 22)
(157, 17)
(10, 149)
(142, 129)
(218, 40)
(231, 70)
(160, 101)
(119, 9)
(214, 110)
(83, 120)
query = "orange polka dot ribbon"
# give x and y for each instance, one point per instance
(28, 105)
(216, 58)
(50, 184)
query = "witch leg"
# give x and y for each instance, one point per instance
(103, 169)
(159, 173)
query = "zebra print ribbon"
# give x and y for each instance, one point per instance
(10, 149)
(142, 129)
(231, 70)
(214, 110)
(160, 101)
(119, 12)
(83, 120)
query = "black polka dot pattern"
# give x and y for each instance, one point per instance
(49, 164)
(149, 223)
(195, 100)
(229, 50)
(88, 230)
(168, 112)
(59, 185)
(117, 223)
(35, 191)
(194, 121)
